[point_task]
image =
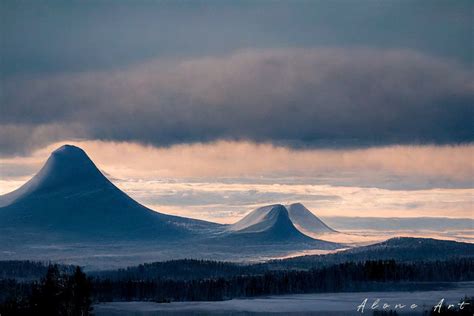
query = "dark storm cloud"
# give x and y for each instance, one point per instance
(19, 138)
(56, 36)
(299, 97)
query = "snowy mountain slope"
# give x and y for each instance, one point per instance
(71, 197)
(261, 217)
(272, 223)
(306, 221)
(70, 212)
(271, 219)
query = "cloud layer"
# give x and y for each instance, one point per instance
(393, 167)
(224, 180)
(296, 97)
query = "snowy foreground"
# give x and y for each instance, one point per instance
(302, 304)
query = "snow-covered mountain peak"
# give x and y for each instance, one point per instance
(69, 150)
(68, 166)
(260, 215)
(70, 196)
(306, 221)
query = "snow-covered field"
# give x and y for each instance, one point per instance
(302, 304)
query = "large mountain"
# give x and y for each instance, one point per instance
(70, 197)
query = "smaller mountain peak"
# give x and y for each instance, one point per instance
(297, 204)
(297, 208)
(265, 214)
(305, 220)
(271, 210)
(279, 208)
(270, 207)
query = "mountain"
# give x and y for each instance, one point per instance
(411, 248)
(306, 221)
(401, 249)
(271, 224)
(70, 197)
(70, 212)
(272, 221)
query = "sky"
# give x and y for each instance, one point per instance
(211, 108)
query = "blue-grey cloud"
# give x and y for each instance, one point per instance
(243, 198)
(297, 97)
(57, 36)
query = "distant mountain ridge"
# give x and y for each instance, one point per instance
(402, 249)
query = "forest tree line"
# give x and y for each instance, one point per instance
(346, 277)
(62, 293)
(173, 282)
(58, 293)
